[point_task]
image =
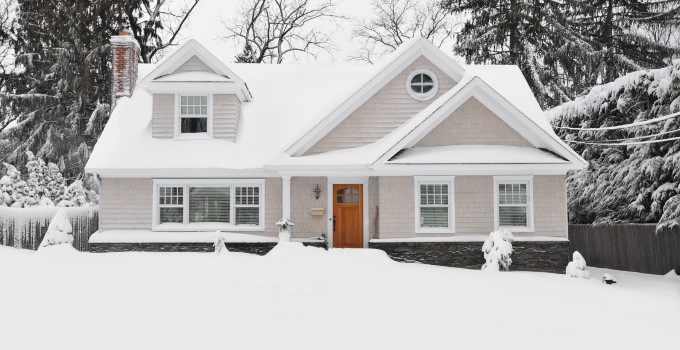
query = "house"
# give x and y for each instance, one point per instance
(420, 156)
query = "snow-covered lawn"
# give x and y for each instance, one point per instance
(308, 298)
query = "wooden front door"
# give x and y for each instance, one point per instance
(348, 212)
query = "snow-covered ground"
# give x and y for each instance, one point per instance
(308, 298)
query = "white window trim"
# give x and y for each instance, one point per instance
(186, 183)
(426, 96)
(529, 180)
(178, 116)
(449, 180)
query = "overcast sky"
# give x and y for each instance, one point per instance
(205, 25)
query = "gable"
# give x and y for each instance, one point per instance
(473, 124)
(191, 67)
(193, 64)
(383, 112)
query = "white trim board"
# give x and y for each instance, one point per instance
(186, 226)
(400, 59)
(429, 118)
(529, 181)
(185, 52)
(450, 181)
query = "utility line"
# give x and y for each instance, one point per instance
(634, 138)
(624, 126)
(624, 143)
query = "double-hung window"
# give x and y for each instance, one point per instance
(513, 203)
(236, 204)
(434, 204)
(193, 114)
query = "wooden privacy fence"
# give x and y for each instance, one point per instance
(26, 227)
(628, 247)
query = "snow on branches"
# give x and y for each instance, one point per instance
(59, 231)
(628, 183)
(577, 267)
(497, 249)
(44, 185)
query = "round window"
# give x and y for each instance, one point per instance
(422, 84)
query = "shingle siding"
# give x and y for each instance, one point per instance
(472, 123)
(302, 201)
(382, 113)
(163, 119)
(396, 207)
(226, 116)
(125, 204)
(474, 207)
(194, 64)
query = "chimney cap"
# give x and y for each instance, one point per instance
(124, 31)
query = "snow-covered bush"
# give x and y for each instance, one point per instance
(74, 195)
(13, 188)
(59, 231)
(284, 229)
(577, 267)
(220, 247)
(497, 249)
(44, 185)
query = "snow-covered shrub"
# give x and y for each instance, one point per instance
(59, 231)
(497, 249)
(13, 188)
(577, 267)
(284, 229)
(74, 196)
(220, 247)
(45, 186)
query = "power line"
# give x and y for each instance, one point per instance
(624, 126)
(634, 138)
(624, 143)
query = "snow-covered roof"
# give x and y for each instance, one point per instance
(292, 102)
(502, 82)
(268, 122)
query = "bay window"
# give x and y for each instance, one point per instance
(235, 204)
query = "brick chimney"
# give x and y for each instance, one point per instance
(125, 55)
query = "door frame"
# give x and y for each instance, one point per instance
(363, 180)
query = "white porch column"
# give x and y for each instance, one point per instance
(286, 197)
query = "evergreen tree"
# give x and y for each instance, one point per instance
(638, 183)
(609, 27)
(563, 47)
(60, 101)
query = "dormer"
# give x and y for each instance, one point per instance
(195, 96)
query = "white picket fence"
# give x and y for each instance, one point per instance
(25, 227)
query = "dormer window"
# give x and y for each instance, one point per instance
(422, 84)
(193, 114)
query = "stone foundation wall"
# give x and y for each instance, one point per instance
(252, 248)
(550, 256)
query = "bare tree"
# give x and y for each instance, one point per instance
(155, 24)
(666, 34)
(395, 21)
(270, 30)
(6, 53)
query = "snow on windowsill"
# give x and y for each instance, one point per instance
(146, 236)
(465, 238)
